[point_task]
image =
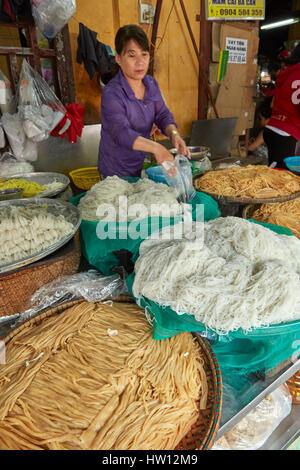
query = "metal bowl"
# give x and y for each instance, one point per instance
(56, 207)
(11, 193)
(43, 178)
(197, 153)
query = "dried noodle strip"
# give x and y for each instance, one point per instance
(91, 390)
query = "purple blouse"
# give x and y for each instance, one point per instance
(123, 119)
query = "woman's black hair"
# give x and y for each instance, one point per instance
(128, 32)
(265, 111)
(295, 56)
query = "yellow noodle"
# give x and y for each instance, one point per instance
(255, 181)
(286, 214)
(84, 389)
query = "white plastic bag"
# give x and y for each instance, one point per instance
(21, 146)
(51, 16)
(38, 106)
(257, 426)
(182, 182)
(2, 137)
(6, 96)
(13, 127)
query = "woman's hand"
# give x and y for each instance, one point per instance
(163, 155)
(180, 145)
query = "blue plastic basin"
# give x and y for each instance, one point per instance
(293, 163)
(155, 173)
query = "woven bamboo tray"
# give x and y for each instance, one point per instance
(203, 433)
(16, 287)
(250, 200)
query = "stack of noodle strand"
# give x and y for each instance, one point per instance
(253, 181)
(286, 214)
(69, 384)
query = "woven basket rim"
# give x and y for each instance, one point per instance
(248, 210)
(250, 200)
(212, 430)
(211, 361)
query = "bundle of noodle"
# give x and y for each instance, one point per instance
(94, 378)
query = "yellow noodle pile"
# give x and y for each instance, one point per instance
(255, 181)
(286, 214)
(31, 188)
(94, 378)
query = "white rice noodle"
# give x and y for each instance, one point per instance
(24, 232)
(157, 199)
(243, 275)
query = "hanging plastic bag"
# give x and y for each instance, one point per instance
(51, 16)
(6, 96)
(21, 146)
(38, 106)
(2, 137)
(182, 181)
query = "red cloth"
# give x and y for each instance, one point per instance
(8, 10)
(268, 92)
(286, 102)
(285, 54)
(74, 112)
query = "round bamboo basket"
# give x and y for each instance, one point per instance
(249, 210)
(203, 433)
(16, 287)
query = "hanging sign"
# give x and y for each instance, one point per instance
(235, 9)
(237, 50)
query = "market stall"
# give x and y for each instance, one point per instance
(158, 312)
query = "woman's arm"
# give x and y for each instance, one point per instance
(257, 143)
(177, 141)
(159, 151)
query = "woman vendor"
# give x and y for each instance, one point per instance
(131, 103)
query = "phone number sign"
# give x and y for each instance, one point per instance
(235, 9)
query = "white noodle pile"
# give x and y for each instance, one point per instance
(27, 231)
(243, 276)
(144, 191)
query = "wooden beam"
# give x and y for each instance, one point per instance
(64, 66)
(204, 61)
(202, 72)
(154, 35)
(26, 51)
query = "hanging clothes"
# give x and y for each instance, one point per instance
(96, 56)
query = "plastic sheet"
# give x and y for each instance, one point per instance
(257, 426)
(182, 182)
(51, 17)
(9, 165)
(90, 285)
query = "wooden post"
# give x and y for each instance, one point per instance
(204, 61)
(154, 34)
(202, 72)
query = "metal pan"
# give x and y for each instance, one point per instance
(43, 178)
(56, 207)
